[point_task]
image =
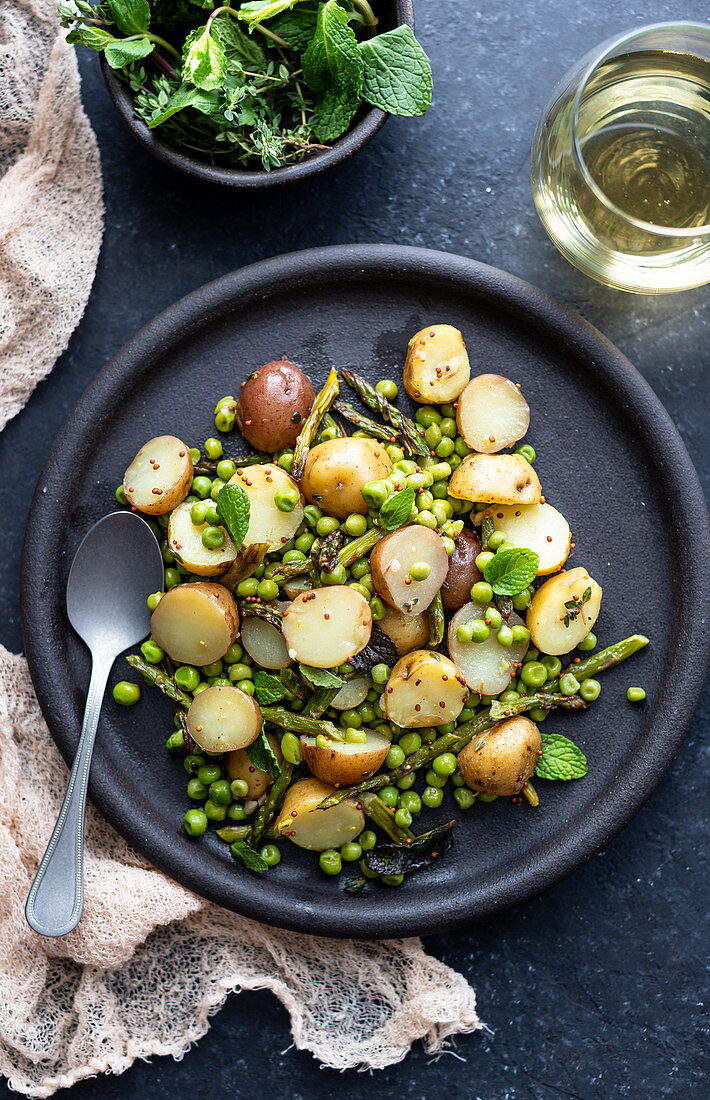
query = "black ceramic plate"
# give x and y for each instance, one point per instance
(608, 456)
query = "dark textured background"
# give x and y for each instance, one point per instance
(597, 988)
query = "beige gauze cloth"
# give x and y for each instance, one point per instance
(150, 961)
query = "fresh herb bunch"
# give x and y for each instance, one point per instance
(217, 81)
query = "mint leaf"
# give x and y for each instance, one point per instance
(204, 61)
(96, 38)
(131, 16)
(511, 571)
(268, 688)
(233, 510)
(561, 759)
(238, 46)
(247, 856)
(396, 74)
(321, 677)
(395, 511)
(186, 96)
(262, 755)
(256, 11)
(332, 67)
(297, 26)
(125, 50)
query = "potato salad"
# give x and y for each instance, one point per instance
(368, 616)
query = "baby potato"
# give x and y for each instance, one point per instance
(408, 632)
(327, 626)
(342, 763)
(503, 758)
(487, 666)
(496, 479)
(308, 826)
(353, 692)
(437, 366)
(572, 596)
(492, 413)
(186, 546)
(539, 527)
(264, 642)
(160, 476)
(424, 689)
(239, 766)
(273, 403)
(223, 719)
(391, 563)
(267, 523)
(463, 572)
(196, 623)
(336, 470)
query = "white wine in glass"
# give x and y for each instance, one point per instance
(621, 161)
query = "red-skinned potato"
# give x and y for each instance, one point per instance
(273, 403)
(463, 572)
(503, 758)
(336, 470)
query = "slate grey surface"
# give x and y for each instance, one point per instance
(599, 987)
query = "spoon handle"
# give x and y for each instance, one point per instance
(56, 898)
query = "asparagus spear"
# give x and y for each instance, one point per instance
(435, 613)
(268, 810)
(605, 658)
(250, 606)
(320, 701)
(542, 699)
(300, 723)
(374, 400)
(328, 555)
(330, 422)
(359, 547)
(293, 685)
(209, 465)
(307, 434)
(383, 816)
(379, 431)
(487, 529)
(161, 680)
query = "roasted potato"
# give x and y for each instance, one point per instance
(336, 470)
(463, 572)
(391, 562)
(266, 522)
(424, 689)
(408, 632)
(503, 758)
(327, 626)
(538, 527)
(492, 413)
(308, 826)
(185, 544)
(563, 611)
(196, 623)
(488, 666)
(160, 476)
(496, 479)
(437, 366)
(239, 766)
(342, 763)
(223, 719)
(273, 403)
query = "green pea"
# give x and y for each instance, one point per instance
(214, 810)
(445, 448)
(152, 652)
(493, 617)
(569, 684)
(286, 499)
(293, 555)
(239, 788)
(527, 452)
(331, 862)
(195, 822)
(445, 764)
(219, 681)
(496, 540)
(521, 635)
(504, 636)
(410, 742)
(411, 802)
(121, 496)
(366, 712)
(226, 469)
(213, 538)
(461, 447)
(322, 742)
(467, 714)
(354, 735)
(482, 592)
(270, 855)
(387, 389)
(367, 840)
(537, 714)
(154, 599)
(209, 773)
(553, 665)
(350, 718)
(202, 686)
(236, 812)
(311, 514)
(215, 669)
(198, 513)
(521, 600)
(360, 569)
(432, 797)
(483, 796)
(239, 671)
(375, 493)
(433, 779)
(126, 693)
(406, 781)
(291, 748)
(286, 461)
(449, 545)
(220, 792)
(196, 789)
(590, 689)
(403, 818)
(419, 570)
(213, 448)
(338, 575)
(351, 852)
(267, 590)
(171, 577)
(378, 609)
(481, 562)
(635, 694)
(355, 525)
(479, 631)
(361, 589)
(426, 415)
(534, 674)
(193, 763)
(464, 797)
(217, 484)
(395, 757)
(532, 653)
(248, 587)
(464, 632)
(427, 519)
(201, 486)
(224, 420)
(509, 697)
(432, 436)
(176, 742)
(304, 542)
(390, 796)
(587, 643)
(186, 677)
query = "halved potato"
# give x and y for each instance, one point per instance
(195, 623)
(392, 559)
(496, 479)
(488, 666)
(492, 413)
(325, 627)
(308, 826)
(263, 642)
(353, 692)
(463, 572)
(408, 632)
(538, 527)
(563, 611)
(185, 542)
(336, 470)
(223, 719)
(437, 366)
(239, 766)
(503, 758)
(424, 689)
(342, 763)
(266, 523)
(160, 475)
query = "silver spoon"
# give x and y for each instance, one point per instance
(115, 569)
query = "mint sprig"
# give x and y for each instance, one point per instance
(333, 68)
(267, 688)
(395, 511)
(130, 16)
(233, 510)
(511, 571)
(561, 758)
(320, 677)
(204, 59)
(262, 756)
(396, 73)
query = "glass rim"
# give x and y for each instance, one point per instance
(602, 54)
